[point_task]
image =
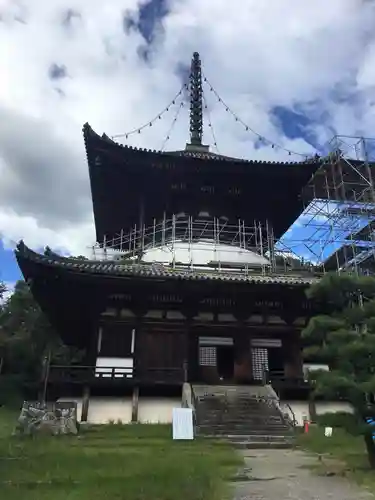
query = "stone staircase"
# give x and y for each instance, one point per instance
(247, 416)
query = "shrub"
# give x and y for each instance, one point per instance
(342, 419)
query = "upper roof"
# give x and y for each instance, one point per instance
(133, 186)
(51, 260)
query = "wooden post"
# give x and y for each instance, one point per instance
(135, 400)
(46, 376)
(85, 403)
(312, 408)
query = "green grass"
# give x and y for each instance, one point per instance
(114, 462)
(341, 454)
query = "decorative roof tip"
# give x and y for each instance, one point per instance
(196, 107)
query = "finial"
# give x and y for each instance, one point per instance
(196, 108)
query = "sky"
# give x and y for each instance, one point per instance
(295, 72)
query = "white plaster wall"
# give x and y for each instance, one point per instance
(106, 409)
(301, 408)
(156, 410)
(332, 407)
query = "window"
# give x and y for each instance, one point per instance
(207, 356)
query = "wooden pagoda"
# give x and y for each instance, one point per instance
(160, 324)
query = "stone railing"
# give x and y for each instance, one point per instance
(188, 400)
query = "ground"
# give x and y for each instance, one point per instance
(114, 462)
(292, 475)
(135, 462)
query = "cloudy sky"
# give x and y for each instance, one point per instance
(296, 72)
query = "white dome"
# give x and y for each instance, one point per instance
(202, 253)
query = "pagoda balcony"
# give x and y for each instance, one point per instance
(93, 375)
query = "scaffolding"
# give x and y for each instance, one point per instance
(335, 231)
(216, 237)
(339, 217)
(203, 243)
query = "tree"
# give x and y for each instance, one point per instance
(2, 290)
(344, 338)
(27, 339)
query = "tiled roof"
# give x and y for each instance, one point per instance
(156, 271)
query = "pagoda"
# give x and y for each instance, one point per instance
(188, 287)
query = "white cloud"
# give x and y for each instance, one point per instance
(257, 55)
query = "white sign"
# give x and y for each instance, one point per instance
(328, 432)
(182, 419)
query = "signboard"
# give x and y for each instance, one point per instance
(182, 419)
(328, 432)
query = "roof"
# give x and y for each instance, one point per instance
(149, 271)
(89, 134)
(130, 184)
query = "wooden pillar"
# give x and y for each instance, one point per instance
(135, 402)
(85, 403)
(193, 356)
(292, 356)
(242, 355)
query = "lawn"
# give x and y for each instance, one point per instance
(348, 453)
(114, 462)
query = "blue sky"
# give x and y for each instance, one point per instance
(117, 65)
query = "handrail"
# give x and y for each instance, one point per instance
(85, 372)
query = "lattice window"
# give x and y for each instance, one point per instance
(259, 357)
(207, 356)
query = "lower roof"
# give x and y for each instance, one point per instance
(52, 261)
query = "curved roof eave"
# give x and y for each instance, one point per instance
(116, 269)
(90, 135)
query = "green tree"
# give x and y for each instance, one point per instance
(27, 339)
(344, 338)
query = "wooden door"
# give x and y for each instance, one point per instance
(160, 356)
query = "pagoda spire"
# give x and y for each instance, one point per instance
(196, 107)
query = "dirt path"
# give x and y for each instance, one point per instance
(286, 475)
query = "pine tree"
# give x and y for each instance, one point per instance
(344, 338)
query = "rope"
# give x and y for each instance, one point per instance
(210, 123)
(172, 125)
(247, 127)
(157, 117)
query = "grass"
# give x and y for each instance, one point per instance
(342, 454)
(114, 462)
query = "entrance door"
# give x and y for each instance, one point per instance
(275, 361)
(225, 361)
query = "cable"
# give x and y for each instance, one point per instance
(157, 117)
(172, 125)
(247, 128)
(210, 123)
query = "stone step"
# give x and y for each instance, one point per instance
(262, 445)
(258, 429)
(237, 401)
(236, 409)
(259, 438)
(239, 432)
(249, 421)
